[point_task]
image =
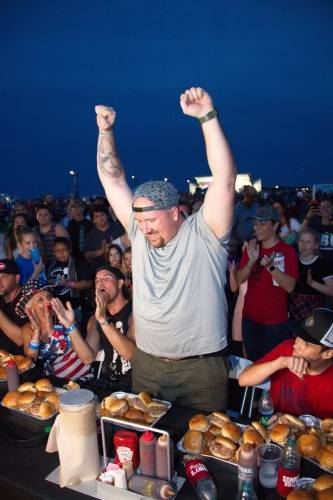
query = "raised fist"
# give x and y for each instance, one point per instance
(105, 117)
(196, 102)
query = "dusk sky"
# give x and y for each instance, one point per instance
(267, 63)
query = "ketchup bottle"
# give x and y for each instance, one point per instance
(13, 380)
(126, 447)
(147, 454)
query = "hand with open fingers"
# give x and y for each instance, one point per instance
(267, 260)
(196, 102)
(65, 315)
(253, 251)
(105, 117)
(298, 366)
(100, 312)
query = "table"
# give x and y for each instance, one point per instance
(23, 470)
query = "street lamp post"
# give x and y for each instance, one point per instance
(76, 182)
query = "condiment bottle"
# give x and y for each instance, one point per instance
(147, 443)
(289, 469)
(150, 487)
(13, 380)
(200, 478)
(164, 467)
(126, 447)
(247, 464)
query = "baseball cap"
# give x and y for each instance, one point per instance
(9, 266)
(316, 328)
(267, 213)
(113, 270)
(162, 194)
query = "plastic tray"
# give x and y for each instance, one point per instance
(4, 380)
(29, 416)
(125, 395)
(232, 461)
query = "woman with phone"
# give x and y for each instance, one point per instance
(320, 218)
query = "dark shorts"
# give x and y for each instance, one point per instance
(200, 383)
(259, 339)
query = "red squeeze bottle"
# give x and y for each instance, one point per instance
(13, 380)
(162, 464)
(126, 447)
(147, 454)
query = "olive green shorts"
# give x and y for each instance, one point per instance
(200, 383)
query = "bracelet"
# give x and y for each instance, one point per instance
(71, 328)
(34, 342)
(34, 347)
(107, 132)
(71, 283)
(104, 322)
(209, 116)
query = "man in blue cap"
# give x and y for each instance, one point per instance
(178, 267)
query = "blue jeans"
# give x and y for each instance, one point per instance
(259, 339)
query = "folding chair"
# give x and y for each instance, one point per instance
(100, 358)
(237, 366)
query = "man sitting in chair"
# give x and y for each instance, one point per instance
(300, 369)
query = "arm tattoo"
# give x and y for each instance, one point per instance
(108, 161)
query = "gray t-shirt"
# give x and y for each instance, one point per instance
(179, 302)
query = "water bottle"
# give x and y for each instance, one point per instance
(265, 408)
(246, 491)
(36, 257)
(289, 469)
(247, 464)
(200, 478)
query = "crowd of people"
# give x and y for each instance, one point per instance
(168, 285)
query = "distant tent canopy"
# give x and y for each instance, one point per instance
(242, 180)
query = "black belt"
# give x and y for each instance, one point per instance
(216, 354)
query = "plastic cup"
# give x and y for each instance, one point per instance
(269, 457)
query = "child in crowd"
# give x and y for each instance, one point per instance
(27, 240)
(114, 256)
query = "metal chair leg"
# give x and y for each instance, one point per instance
(251, 401)
(243, 401)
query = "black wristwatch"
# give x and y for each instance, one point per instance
(271, 268)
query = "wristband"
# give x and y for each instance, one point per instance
(209, 116)
(71, 328)
(104, 322)
(107, 132)
(33, 345)
(271, 268)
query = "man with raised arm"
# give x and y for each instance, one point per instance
(178, 267)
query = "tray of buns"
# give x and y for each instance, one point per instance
(216, 436)
(314, 437)
(139, 408)
(35, 400)
(22, 362)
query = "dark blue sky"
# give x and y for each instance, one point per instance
(268, 64)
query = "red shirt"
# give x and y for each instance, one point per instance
(265, 302)
(313, 395)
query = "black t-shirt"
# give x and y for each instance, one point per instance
(9, 310)
(59, 270)
(77, 231)
(94, 238)
(115, 368)
(320, 268)
(326, 238)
